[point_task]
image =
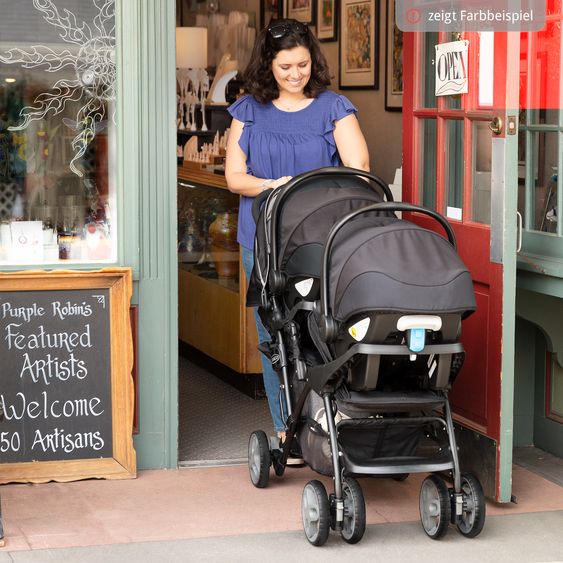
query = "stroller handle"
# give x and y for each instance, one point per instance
(387, 206)
(326, 171)
(295, 182)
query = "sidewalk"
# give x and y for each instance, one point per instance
(215, 514)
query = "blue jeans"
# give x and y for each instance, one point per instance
(271, 379)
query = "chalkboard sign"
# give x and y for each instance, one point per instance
(65, 376)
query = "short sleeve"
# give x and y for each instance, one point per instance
(341, 107)
(243, 110)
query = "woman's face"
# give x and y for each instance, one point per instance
(292, 69)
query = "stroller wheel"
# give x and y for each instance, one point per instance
(435, 507)
(472, 519)
(354, 524)
(315, 512)
(259, 459)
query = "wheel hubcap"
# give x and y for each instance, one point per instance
(310, 513)
(254, 457)
(430, 507)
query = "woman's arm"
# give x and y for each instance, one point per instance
(351, 144)
(238, 181)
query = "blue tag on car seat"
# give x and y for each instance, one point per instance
(416, 339)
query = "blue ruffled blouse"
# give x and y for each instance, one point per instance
(280, 143)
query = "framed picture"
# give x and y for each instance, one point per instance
(327, 20)
(301, 10)
(359, 44)
(270, 10)
(393, 61)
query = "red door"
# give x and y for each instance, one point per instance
(453, 163)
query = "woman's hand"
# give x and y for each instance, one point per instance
(280, 182)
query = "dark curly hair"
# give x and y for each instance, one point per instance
(258, 77)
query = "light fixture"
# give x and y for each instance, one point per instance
(191, 60)
(191, 47)
(9, 80)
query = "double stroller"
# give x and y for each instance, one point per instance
(364, 311)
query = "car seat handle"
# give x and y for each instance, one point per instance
(387, 206)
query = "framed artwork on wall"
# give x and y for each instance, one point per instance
(359, 44)
(270, 10)
(301, 10)
(327, 20)
(393, 61)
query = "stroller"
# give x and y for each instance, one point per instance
(364, 312)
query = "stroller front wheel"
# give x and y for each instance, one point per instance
(315, 512)
(435, 507)
(354, 524)
(259, 459)
(472, 519)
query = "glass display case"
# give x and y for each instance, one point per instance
(213, 317)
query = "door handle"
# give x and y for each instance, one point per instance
(496, 124)
(519, 232)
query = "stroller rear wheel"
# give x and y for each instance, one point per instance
(259, 459)
(315, 512)
(435, 507)
(354, 524)
(472, 519)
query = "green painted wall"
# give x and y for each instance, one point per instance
(147, 156)
(524, 383)
(538, 301)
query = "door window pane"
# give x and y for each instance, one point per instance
(428, 77)
(481, 198)
(454, 168)
(543, 174)
(428, 164)
(57, 131)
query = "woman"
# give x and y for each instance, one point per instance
(288, 124)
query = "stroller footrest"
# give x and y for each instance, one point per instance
(441, 461)
(379, 401)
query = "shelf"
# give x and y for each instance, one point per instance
(189, 133)
(202, 177)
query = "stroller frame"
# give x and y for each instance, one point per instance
(325, 379)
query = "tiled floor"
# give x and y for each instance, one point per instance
(215, 431)
(207, 502)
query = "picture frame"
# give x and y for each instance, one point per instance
(327, 20)
(270, 10)
(358, 48)
(393, 61)
(300, 10)
(95, 304)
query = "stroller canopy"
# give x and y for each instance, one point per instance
(305, 218)
(388, 265)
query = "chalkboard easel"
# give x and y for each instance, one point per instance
(66, 389)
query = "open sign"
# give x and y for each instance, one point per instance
(451, 68)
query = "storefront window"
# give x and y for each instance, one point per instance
(57, 131)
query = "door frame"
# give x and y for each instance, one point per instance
(502, 236)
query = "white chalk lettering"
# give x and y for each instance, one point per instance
(25, 313)
(59, 440)
(45, 340)
(69, 309)
(47, 408)
(53, 368)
